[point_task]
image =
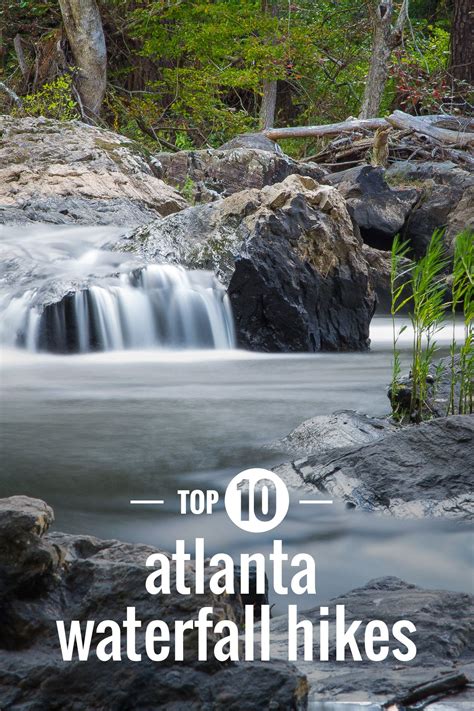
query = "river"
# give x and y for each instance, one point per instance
(89, 432)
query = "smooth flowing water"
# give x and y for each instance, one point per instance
(87, 433)
(63, 291)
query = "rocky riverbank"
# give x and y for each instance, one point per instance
(302, 253)
(47, 576)
(54, 576)
(410, 472)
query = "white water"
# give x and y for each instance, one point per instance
(115, 302)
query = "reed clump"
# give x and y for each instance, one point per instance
(422, 288)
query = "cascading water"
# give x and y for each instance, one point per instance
(153, 306)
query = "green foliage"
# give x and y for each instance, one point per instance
(400, 270)
(54, 100)
(188, 189)
(421, 286)
(190, 73)
(463, 295)
(428, 307)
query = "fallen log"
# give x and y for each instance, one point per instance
(427, 125)
(444, 685)
(329, 129)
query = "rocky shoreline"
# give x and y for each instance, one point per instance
(46, 576)
(410, 472)
(302, 253)
(370, 463)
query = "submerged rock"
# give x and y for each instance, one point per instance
(444, 640)
(69, 172)
(97, 580)
(412, 472)
(379, 210)
(213, 173)
(293, 268)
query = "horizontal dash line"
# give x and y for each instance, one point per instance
(146, 501)
(328, 501)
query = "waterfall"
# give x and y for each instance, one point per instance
(158, 306)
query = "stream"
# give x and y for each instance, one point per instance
(87, 432)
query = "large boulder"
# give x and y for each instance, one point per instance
(293, 268)
(413, 472)
(97, 580)
(379, 210)
(209, 174)
(444, 641)
(442, 187)
(57, 172)
(26, 560)
(461, 217)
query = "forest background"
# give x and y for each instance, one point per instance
(182, 74)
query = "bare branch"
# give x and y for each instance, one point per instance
(330, 129)
(14, 97)
(20, 55)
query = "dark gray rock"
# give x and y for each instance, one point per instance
(294, 270)
(98, 580)
(380, 265)
(413, 472)
(121, 212)
(444, 639)
(379, 210)
(26, 559)
(69, 172)
(209, 174)
(461, 217)
(441, 186)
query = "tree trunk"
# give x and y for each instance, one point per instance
(85, 34)
(269, 97)
(267, 108)
(386, 38)
(462, 41)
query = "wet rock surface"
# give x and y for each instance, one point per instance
(444, 639)
(98, 580)
(293, 268)
(412, 472)
(326, 433)
(210, 174)
(379, 210)
(72, 173)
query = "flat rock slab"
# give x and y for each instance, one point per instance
(72, 173)
(444, 639)
(412, 472)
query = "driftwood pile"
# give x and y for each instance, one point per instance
(398, 137)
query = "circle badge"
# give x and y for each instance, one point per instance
(265, 511)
